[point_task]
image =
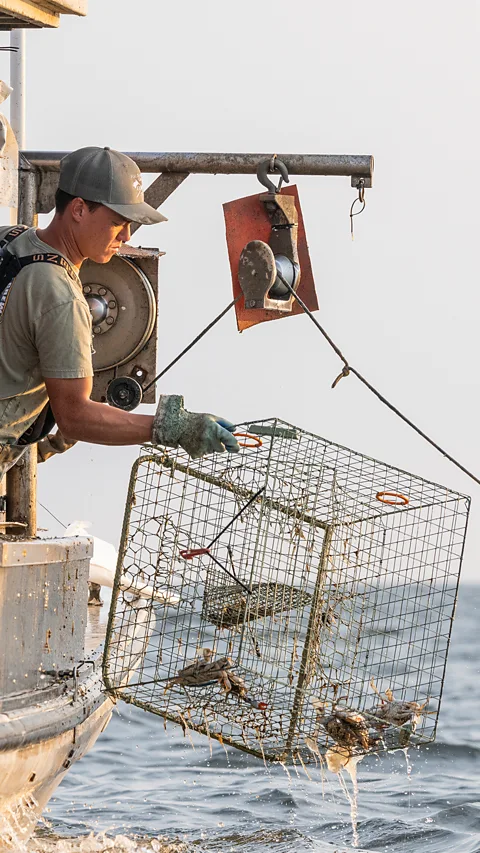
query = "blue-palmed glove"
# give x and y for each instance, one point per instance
(197, 433)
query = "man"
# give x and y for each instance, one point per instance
(45, 324)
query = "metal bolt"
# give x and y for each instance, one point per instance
(123, 394)
(112, 304)
(102, 291)
(87, 288)
(97, 330)
(110, 321)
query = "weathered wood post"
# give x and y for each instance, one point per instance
(22, 478)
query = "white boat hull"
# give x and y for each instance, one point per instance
(29, 775)
(53, 646)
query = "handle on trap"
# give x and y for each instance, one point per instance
(190, 553)
(251, 442)
(398, 498)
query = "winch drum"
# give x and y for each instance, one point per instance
(122, 297)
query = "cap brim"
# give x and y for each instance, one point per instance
(142, 213)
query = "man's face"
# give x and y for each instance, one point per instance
(100, 234)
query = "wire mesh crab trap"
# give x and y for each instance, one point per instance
(304, 596)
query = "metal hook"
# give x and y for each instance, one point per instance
(359, 200)
(272, 165)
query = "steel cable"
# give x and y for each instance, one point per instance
(349, 369)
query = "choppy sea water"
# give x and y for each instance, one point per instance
(143, 788)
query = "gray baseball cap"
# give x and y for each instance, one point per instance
(109, 177)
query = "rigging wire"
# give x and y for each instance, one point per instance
(347, 369)
(165, 369)
(192, 343)
(52, 514)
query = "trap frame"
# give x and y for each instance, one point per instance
(298, 573)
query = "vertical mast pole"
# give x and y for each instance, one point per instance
(22, 478)
(17, 82)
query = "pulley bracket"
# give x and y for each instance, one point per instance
(260, 262)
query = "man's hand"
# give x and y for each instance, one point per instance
(80, 419)
(197, 433)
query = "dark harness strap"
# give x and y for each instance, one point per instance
(10, 235)
(10, 266)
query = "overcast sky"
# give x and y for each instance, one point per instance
(399, 81)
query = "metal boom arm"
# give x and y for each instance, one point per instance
(350, 165)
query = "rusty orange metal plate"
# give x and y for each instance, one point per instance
(245, 220)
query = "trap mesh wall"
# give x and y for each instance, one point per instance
(347, 597)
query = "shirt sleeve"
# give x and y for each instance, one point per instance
(63, 338)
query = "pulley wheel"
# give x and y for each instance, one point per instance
(123, 307)
(289, 271)
(124, 392)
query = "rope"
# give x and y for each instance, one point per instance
(51, 513)
(192, 343)
(347, 369)
(178, 357)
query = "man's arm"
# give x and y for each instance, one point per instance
(80, 419)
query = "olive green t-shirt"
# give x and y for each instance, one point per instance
(45, 332)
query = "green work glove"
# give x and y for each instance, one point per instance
(198, 434)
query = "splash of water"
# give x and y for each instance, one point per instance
(17, 822)
(102, 844)
(409, 775)
(339, 759)
(351, 768)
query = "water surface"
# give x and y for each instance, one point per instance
(148, 789)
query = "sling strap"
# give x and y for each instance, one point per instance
(11, 265)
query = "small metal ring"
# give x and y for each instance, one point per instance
(256, 441)
(357, 200)
(401, 499)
